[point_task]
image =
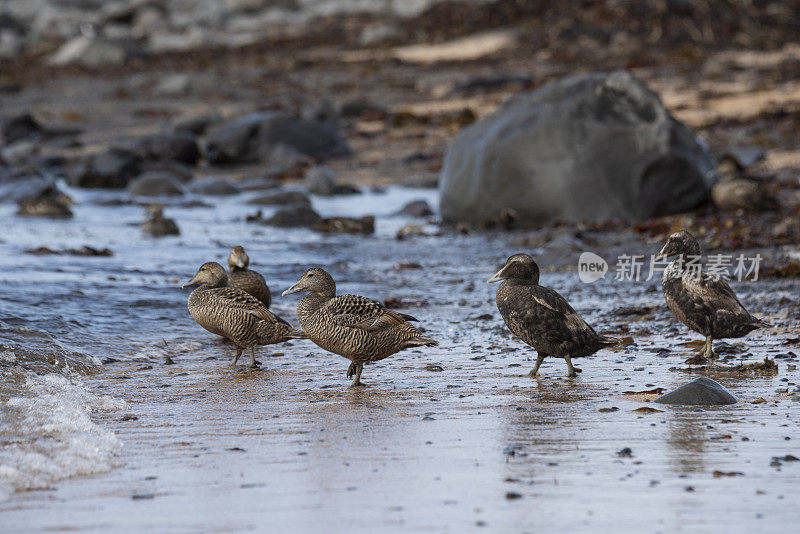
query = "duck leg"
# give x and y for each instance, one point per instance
(253, 364)
(570, 369)
(708, 351)
(351, 370)
(238, 353)
(535, 371)
(357, 379)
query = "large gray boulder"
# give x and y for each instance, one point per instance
(591, 146)
(252, 137)
(700, 391)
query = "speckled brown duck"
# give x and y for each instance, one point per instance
(703, 302)
(158, 225)
(542, 318)
(360, 329)
(241, 277)
(233, 314)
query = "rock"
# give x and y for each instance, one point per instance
(195, 125)
(744, 156)
(215, 186)
(281, 197)
(258, 183)
(92, 51)
(46, 200)
(739, 193)
(158, 225)
(700, 391)
(321, 180)
(361, 107)
(416, 208)
(410, 230)
(21, 127)
(421, 183)
(591, 146)
(180, 171)
(155, 183)
(346, 225)
(21, 153)
(111, 169)
(377, 33)
(297, 215)
(173, 85)
(251, 137)
(168, 147)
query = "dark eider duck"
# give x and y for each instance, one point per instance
(233, 314)
(158, 225)
(360, 329)
(541, 317)
(243, 278)
(701, 301)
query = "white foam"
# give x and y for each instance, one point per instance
(49, 435)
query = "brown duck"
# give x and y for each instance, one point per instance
(233, 314)
(703, 302)
(542, 318)
(241, 277)
(360, 329)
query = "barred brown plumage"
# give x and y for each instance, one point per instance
(703, 302)
(241, 277)
(542, 318)
(360, 329)
(234, 314)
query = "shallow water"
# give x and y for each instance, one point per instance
(478, 444)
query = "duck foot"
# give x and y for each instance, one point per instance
(358, 384)
(534, 374)
(351, 371)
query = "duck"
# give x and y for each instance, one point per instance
(158, 225)
(542, 318)
(359, 328)
(249, 281)
(234, 314)
(702, 301)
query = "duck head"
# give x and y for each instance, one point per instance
(238, 259)
(679, 243)
(517, 267)
(314, 280)
(211, 274)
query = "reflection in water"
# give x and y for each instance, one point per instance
(686, 440)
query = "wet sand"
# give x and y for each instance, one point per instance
(478, 444)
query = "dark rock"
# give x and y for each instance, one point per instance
(347, 225)
(298, 215)
(258, 183)
(421, 183)
(700, 391)
(180, 171)
(215, 186)
(281, 197)
(155, 183)
(112, 169)
(20, 127)
(251, 137)
(591, 146)
(321, 181)
(82, 251)
(195, 125)
(361, 107)
(180, 147)
(157, 225)
(416, 208)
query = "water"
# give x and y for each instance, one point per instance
(198, 446)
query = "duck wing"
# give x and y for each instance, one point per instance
(238, 299)
(355, 311)
(712, 293)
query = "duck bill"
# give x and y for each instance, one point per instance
(662, 255)
(498, 276)
(239, 262)
(190, 283)
(293, 289)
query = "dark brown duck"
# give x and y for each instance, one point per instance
(703, 302)
(541, 317)
(241, 277)
(233, 314)
(360, 329)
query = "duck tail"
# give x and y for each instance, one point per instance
(296, 334)
(608, 341)
(762, 323)
(422, 341)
